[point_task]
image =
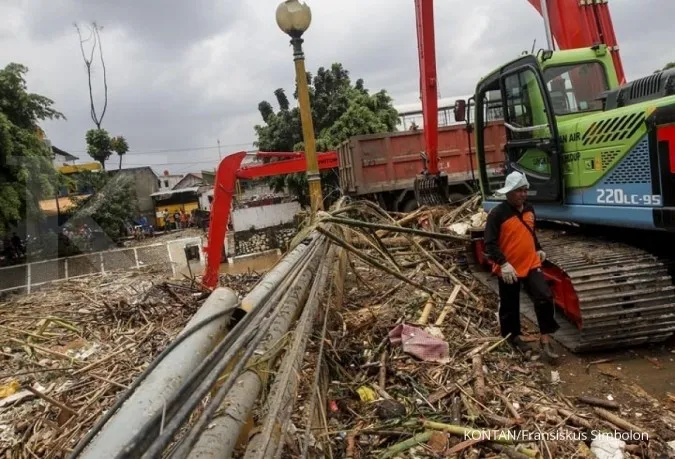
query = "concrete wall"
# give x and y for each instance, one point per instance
(145, 184)
(247, 242)
(204, 203)
(171, 181)
(264, 216)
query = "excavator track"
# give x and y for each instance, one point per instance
(626, 295)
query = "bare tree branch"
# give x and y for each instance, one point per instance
(105, 79)
(88, 62)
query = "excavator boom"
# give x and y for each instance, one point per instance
(431, 187)
(229, 171)
(582, 24)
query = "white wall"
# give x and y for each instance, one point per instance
(204, 203)
(171, 180)
(264, 216)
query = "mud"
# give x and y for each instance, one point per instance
(638, 378)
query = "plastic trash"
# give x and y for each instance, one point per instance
(608, 447)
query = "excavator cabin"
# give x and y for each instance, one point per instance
(596, 154)
(538, 97)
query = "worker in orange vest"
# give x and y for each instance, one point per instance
(517, 257)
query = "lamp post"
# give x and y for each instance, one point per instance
(293, 19)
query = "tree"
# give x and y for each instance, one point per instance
(112, 205)
(88, 63)
(119, 145)
(340, 109)
(668, 66)
(27, 174)
(99, 144)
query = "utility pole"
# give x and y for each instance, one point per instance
(219, 155)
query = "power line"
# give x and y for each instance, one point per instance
(175, 150)
(172, 163)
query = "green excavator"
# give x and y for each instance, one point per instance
(596, 154)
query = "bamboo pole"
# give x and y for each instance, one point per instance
(406, 445)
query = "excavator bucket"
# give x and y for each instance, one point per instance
(431, 190)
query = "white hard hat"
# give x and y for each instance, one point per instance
(514, 181)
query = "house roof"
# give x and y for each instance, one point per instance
(65, 154)
(132, 169)
(194, 175)
(71, 169)
(48, 206)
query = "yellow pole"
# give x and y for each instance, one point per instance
(313, 176)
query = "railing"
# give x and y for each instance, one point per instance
(30, 275)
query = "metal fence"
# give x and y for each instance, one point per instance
(30, 275)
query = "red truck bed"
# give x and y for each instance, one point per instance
(387, 162)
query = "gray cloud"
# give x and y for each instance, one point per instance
(184, 74)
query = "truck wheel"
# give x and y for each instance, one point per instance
(409, 205)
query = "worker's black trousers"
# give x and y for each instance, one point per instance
(540, 294)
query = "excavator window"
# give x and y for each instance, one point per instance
(525, 111)
(576, 88)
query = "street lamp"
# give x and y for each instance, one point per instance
(293, 19)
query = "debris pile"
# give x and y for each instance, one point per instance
(67, 352)
(413, 365)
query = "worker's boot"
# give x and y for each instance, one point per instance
(548, 352)
(518, 344)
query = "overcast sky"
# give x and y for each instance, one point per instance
(184, 73)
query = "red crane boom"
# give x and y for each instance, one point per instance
(582, 24)
(229, 171)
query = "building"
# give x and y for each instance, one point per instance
(168, 181)
(56, 209)
(191, 179)
(172, 201)
(60, 157)
(146, 183)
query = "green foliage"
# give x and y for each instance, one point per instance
(111, 207)
(120, 146)
(340, 109)
(26, 175)
(669, 65)
(100, 145)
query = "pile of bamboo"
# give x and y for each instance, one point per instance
(485, 399)
(68, 351)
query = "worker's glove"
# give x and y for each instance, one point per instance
(542, 255)
(509, 274)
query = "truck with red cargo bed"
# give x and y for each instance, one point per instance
(383, 167)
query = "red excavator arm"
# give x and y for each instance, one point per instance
(431, 187)
(426, 47)
(229, 171)
(581, 24)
